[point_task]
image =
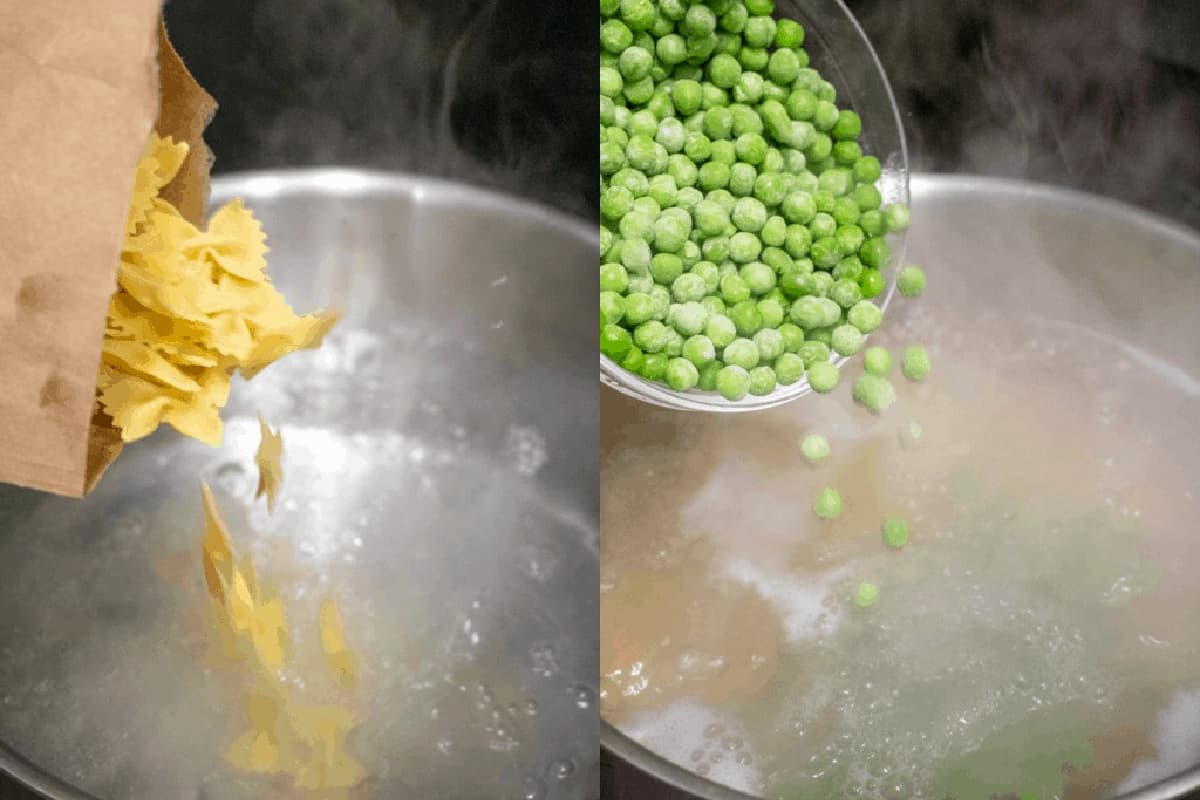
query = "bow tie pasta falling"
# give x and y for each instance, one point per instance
(192, 307)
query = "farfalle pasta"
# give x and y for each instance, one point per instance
(193, 306)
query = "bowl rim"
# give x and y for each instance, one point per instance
(1173, 787)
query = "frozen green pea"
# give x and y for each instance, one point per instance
(798, 241)
(773, 163)
(651, 336)
(639, 92)
(723, 152)
(733, 382)
(822, 225)
(865, 315)
(639, 283)
(759, 31)
(615, 36)
(688, 318)
(848, 125)
(686, 95)
(845, 212)
(742, 177)
(610, 82)
(822, 283)
(875, 252)
(895, 532)
(846, 340)
(699, 350)
(871, 283)
(848, 269)
(741, 353)
(754, 58)
(654, 366)
(612, 158)
(788, 33)
(633, 360)
(661, 297)
(671, 232)
(687, 287)
(646, 208)
(828, 504)
(635, 181)
(877, 361)
(708, 273)
(822, 335)
(614, 341)
(823, 376)
(789, 368)
(772, 312)
(715, 249)
(746, 317)
(769, 343)
(897, 217)
(826, 252)
(867, 170)
(745, 121)
(815, 448)
(720, 330)
(916, 363)
(613, 278)
(770, 188)
(744, 247)
(712, 97)
(867, 198)
(634, 63)
(713, 175)
(749, 87)
(639, 308)
(813, 352)
(734, 290)
(713, 305)
(911, 281)
(698, 148)
(850, 237)
(846, 154)
(799, 207)
(690, 254)
(682, 172)
(774, 232)
(749, 214)
(681, 374)
(762, 381)
(606, 240)
(671, 134)
(674, 343)
(866, 595)
(845, 293)
(874, 392)
(613, 306)
(793, 337)
(759, 278)
(616, 202)
(708, 376)
(711, 217)
(724, 70)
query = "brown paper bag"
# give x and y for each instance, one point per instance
(83, 84)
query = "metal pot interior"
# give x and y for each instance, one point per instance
(1042, 613)
(440, 473)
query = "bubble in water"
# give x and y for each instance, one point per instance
(531, 708)
(526, 448)
(231, 478)
(561, 769)
(535, 788)
(585, 696)
(445, 746)
(545, 660)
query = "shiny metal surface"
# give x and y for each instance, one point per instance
(440, 481)
(1018, 242)
(839, 48)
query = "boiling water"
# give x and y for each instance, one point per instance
(439, 548)
(1036, 636)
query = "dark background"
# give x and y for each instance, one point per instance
(1102, 95)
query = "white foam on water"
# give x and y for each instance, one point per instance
(684, 729)
(802, 602)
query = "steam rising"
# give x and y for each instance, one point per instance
(494, 92)
(1052, 92)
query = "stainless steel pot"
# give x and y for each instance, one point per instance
(440, 482)
(1020, 244)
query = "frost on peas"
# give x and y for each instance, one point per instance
(733, 382)
(911, 281)
(828, 504)
(815, 448)
(769, 342)
(823, 377)
(895, 532)
(762, 381)
(916, 363)
(846, 340)
(866, 595)
(687, 318)
(682, 374)
(741, 353)
(877, 361)
(699, 350)
(874, 392)
(719, 329)
(865, 315)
